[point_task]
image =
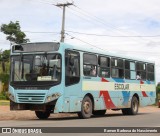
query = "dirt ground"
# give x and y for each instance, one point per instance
(6, 114)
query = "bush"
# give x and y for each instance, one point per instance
(4, 96)
(4, 78)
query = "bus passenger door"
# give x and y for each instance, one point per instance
(72, 80)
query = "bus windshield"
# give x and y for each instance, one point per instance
(36, 68)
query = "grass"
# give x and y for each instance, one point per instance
(4, 102)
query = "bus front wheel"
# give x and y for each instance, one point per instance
(42, 114)
(86, 108)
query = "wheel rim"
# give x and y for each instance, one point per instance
(86, 107)
(135, 106)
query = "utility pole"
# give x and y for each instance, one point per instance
(63, 18)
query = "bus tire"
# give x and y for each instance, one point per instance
(134, 107)
(99, 112)
(42, 114)
(86, 108)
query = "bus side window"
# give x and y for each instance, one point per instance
(150, 72)
(117, 68)
(89, 65)
(130, 70)
(72, 67)
(141, 71)
(103, 66)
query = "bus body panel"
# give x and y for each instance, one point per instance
(108, 93)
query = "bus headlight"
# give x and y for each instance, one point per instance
(53, 97)
(11, 97)
(49, 98)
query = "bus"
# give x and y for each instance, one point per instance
(50, 77)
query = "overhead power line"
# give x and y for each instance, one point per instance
(86, 13)
(92, 34)
(41, 32)
(113, 35)
(73, 37)
(97, 19)
(119, 51)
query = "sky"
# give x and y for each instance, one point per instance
(125, 27)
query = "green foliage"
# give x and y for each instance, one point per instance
(4, 70)
(13, 30)
(158, 88)
(4, 61)
(4, 78)
(5, 55)
(4, 96)
(157, 93)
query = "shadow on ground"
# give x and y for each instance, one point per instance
(76, 117)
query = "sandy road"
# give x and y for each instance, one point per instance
(148, 117)
(6, 114)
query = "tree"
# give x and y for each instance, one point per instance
(4, 71)
(4, 57)
(158, 88)
(13, 30)
(15, 35)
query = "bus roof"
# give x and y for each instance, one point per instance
(102, 52)
(78, 48)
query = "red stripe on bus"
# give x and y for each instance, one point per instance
(143, 92)
(106, 97)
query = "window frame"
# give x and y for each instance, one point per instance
(129, 70)
(117, 67)
(66, 83)
(141, 71)
(38, 84)
(90, 64)
(148, 72)
(99, 66)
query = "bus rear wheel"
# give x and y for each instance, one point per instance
(42, 114)
(134, 107)
(86, 108)
(99, 112)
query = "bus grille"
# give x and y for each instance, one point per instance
(30, 97)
